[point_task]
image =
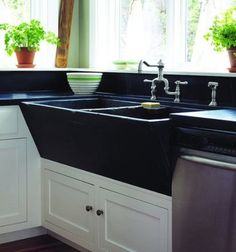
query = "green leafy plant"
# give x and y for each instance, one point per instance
(29, 35)
(222, 33)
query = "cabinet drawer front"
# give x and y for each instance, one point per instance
(8, 121)
(12, 181)
(129, 224)
(65, 202)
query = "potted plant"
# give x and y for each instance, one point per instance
(222, 35)
(25, 39)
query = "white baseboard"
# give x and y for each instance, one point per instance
(22, 234)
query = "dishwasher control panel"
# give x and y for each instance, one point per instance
(216, 141)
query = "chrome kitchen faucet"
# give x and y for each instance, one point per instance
(160, 79)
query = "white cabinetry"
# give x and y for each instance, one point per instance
(12, 181)
(101, 214)
(130, 224)
(66, 201)
(20, 198)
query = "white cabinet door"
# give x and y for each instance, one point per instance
(128, 224)
(13, 187)
(9, 126)
(65, 202)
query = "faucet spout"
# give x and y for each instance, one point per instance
(160, 77)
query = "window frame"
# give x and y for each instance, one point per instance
(98, 25)
(176, 17)
(47, 12)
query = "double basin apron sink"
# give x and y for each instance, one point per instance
(115, 138)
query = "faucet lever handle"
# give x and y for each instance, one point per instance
(149, 65)
(178, 82)
(146, 80)
(160, 64)
(213, 84)
(177, 89)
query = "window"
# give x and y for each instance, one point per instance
(16, 11)
(152, 29)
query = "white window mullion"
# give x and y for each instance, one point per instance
(183, 24)
(176, 33)
(115, 28)
(47, 13)
(104, 32)
(93, 12)
(170, 36)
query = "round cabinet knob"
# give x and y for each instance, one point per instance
(99, 212)
(89, 208)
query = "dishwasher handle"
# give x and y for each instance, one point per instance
(211, 162)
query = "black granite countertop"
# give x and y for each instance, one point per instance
(15, 98)
(218, 119)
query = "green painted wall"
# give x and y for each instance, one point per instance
(84, 33)
(79, 40)
(73, 57)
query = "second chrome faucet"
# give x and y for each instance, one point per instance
(160, 79)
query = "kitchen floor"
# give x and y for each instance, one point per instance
(44, 243)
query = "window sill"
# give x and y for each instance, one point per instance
(220, 73)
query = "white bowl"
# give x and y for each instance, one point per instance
(84, 83)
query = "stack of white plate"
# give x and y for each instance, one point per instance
(84, 83)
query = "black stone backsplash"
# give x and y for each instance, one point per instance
(197, 91)
(23, 81)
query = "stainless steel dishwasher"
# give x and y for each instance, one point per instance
(204, 191)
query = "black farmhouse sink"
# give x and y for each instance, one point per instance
(119, 141)
(138, 112)
(83, 103)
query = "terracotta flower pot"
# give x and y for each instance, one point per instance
(25, 58)
(232, 59)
